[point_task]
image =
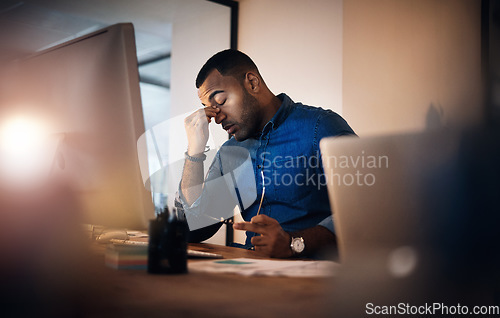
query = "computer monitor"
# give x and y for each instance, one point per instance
(87, 92)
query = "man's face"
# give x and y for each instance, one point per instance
(239, 111)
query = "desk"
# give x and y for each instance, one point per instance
(129, 293)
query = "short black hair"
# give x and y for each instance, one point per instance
(228, 62)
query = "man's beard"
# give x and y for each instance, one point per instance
(250, 118)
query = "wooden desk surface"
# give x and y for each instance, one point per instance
(133, 293)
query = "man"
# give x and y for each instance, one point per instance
(292, 215)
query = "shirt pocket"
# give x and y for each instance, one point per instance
(291, 179)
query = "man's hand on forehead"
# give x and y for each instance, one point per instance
(210, 112)
(196, 126)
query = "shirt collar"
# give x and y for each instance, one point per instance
(282, 113)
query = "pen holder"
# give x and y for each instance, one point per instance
(167, 248)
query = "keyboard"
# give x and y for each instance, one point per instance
(190, 252)
(200, 254)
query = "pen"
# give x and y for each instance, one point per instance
(263, 191)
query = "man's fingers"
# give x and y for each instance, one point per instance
(211, 112)
(204, 114)
(263, 219)
(258, 241)
(261, 245)
(258, 224)
(252, 227)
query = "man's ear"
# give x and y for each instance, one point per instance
(252, 82)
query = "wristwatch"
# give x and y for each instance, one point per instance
(297, 245)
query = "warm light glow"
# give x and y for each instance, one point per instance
(21, 135)
(26, 150)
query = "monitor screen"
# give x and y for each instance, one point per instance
(86, 92)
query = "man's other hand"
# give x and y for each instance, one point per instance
(273, 241)
(196, 126)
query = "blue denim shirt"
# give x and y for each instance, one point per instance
(287, 151)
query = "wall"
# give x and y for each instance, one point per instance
(195, 38)
(386, 65)
(297, 46)
(411, 64)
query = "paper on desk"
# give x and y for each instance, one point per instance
(259, 267)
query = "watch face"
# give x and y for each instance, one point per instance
(298, 245)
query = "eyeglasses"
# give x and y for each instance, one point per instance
(263, 191)
(261, 200)
(230, 221)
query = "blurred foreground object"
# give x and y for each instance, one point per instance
(432, 234)
(42, 251)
